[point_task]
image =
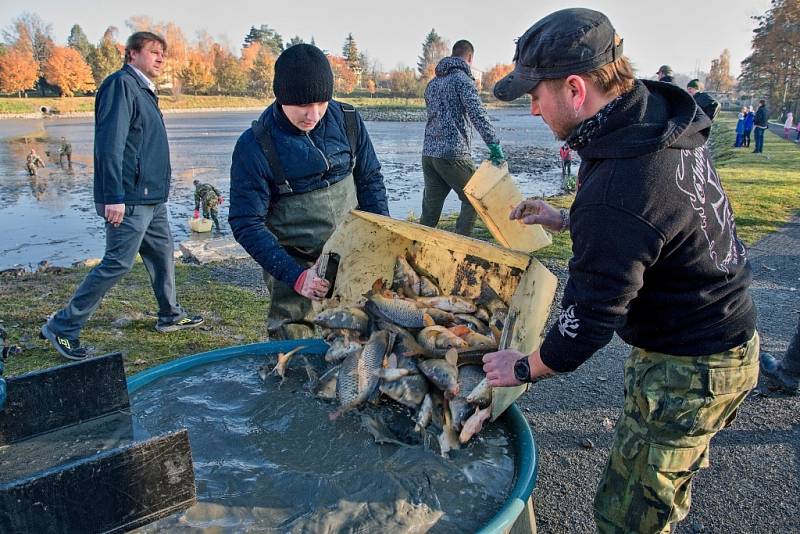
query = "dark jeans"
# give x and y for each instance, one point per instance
(746, 140)
(144, 229)
(759, 140)
(566, 168)
(442, 176)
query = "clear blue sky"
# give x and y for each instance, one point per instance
(686, 34)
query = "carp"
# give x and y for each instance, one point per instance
(443, 373)
(474, 424)
(409, 391)
(405, 279)
(344, 318)
(396, 310)
(460, 410)
(475, 324)
(424, 414)
(451, 303)
(326, 387)
(481, 394)
(283, 361)
(391, 371)
(433, 338)
(448, 438)
(479, 341)
(358, 377)
(341, 348)
(405, 343)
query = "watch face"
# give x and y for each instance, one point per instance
(522, 370)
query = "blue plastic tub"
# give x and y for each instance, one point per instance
(513, 506)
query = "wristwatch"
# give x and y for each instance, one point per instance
(522, 370)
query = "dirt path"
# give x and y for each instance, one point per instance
(753, 484)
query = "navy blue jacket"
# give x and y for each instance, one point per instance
(131, 154)
(310, 162)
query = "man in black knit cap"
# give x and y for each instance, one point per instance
(656, 259)
(296, 172)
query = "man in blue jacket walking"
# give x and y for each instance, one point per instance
(131, 186)
(453, 107)
(302, 166)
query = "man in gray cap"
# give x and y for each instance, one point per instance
(653, 261)
(665, 74)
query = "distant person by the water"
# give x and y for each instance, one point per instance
(453, 107)
(740, 128)
(749, 119)
(65, 151)
(709, 106)
(760, 125)
(788, 125)
(33, 162)
(209, 198)
(565, 153)
(131, 187)
(664, 74)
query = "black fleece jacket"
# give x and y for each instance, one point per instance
(656, 257)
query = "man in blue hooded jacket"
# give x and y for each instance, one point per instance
(453, 107)
(302, 166)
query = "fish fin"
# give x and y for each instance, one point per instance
(452, 357)
(292, 352)
(392, 363)
(427, 320)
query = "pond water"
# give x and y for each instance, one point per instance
(51, 217)
(268, 459)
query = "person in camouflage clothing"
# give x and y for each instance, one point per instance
(453, 107)
(33, 162)
(209, 198)
(656, 260)
(65, 151)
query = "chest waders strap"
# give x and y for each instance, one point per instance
(265, 140)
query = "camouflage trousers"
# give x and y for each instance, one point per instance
(673, 406)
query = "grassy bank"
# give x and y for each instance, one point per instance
(126, 319)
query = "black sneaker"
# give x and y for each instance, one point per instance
(170, 325)
(68, 348)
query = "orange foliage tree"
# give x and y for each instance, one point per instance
(198, 73)
(344, 79)
(18, 71)
(404, 82)
(67, 70)
(371, 87)
(495, 74)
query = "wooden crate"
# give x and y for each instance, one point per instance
(493, 193)
(369, 244)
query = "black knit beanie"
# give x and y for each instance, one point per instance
(302, 76)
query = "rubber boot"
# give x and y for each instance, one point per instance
(777, 376)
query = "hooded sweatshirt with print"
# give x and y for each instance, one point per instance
(656, 257)
(452, 102)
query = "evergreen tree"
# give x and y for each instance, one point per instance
(350, 53)
(296, 40)
(266, 36)
(77, 40)
(106, 58)
(434, 48)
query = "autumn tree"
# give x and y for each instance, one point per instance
(772, 70)
(434, 49)
(719, 76)
(31, 35)
(231, 77)
(177, 56)
(198, 73)
(77, 40)
(344, 79)
(106, 57)
(263, 73)
(266, 37)
(403, 82)
(67, 70)
(18, 71)
(372, 88)
(495, 74)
